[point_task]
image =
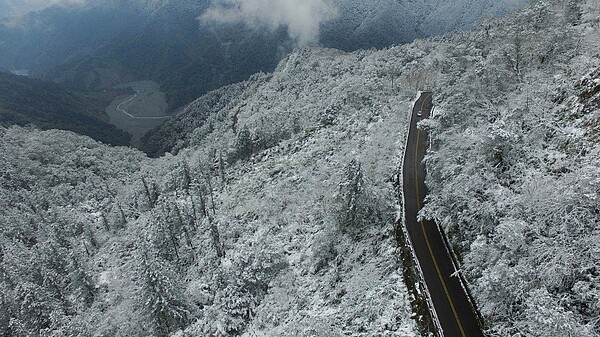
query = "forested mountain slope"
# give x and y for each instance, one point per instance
(98, 44)
(382, 23)
(104, 43)
(358, 25)
(46, 105)
(276, 216)
(514, 170)
(277, 220)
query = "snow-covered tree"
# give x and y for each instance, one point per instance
(160, 294)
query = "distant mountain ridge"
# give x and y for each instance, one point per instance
(104, 43)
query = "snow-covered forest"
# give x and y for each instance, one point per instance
(515, 166)
(275, 216)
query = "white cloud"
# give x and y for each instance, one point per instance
(303, 18)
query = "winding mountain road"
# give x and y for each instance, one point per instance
(452, 307)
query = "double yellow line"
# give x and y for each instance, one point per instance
(435, 263)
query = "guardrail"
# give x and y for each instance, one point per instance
(434, 317)
(453, 258)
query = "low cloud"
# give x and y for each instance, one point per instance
(302, 18)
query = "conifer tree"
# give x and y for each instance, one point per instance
(244, 145)
(81, 285)
(161, 294)
(350, 195)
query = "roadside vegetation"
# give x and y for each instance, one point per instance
(274, 214)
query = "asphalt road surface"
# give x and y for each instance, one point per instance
(454, 310)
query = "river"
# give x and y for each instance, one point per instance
(141, 112)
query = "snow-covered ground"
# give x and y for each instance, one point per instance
(513, 171)
(275, 217)
(325, 109)
(276, 220)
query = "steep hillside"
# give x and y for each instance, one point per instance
(175, 134)
(58, 35)
(171, 48)
(277, 219)
(276, 216)
(382, 23)
(104, 43)
(26, 101)
(514, 172)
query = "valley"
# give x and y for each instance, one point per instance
(315, 195)
(138, 113)
(28, 101)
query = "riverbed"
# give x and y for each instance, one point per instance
(140, 112)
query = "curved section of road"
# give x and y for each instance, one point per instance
(120, 109)
(452, 306)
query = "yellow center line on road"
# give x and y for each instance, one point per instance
(435, 263)
(423, 103)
